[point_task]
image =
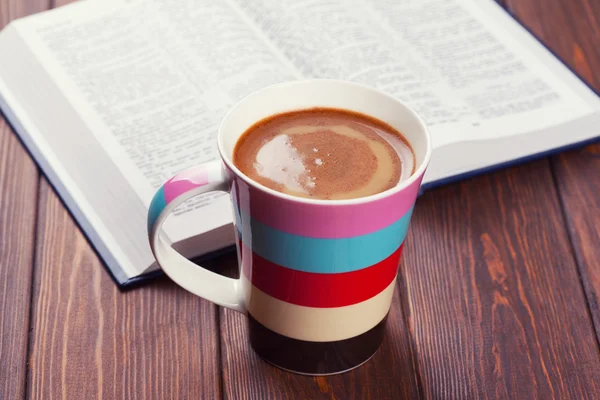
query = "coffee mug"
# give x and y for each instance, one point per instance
(316, 276)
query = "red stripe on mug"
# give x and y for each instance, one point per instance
(319, 290)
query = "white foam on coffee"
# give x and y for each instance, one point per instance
(279, 161)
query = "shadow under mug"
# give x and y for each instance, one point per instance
(317, 276)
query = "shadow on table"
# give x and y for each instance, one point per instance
(226, 265)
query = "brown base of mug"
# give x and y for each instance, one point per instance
(314, 358)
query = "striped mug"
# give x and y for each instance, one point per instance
(316, 276)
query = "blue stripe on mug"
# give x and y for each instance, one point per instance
(156, 206)
(326, 256)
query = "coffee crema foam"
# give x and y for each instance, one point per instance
(324, 153)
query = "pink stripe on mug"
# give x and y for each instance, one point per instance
(343, 221)
(185, 181)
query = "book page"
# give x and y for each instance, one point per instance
(153, 80)
(448, 59)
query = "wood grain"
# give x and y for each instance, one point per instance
(91, 341)
(496, 306)
(18, 199)
(390, 374)
(577, 172)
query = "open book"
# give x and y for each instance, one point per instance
(113, 97)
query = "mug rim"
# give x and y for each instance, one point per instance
(417, 174)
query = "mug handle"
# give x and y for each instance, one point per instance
(209, 177)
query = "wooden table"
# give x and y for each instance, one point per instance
(498, 296)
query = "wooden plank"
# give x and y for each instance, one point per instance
(18, 198)
(89, 340)
(496, 306)
(577, 172)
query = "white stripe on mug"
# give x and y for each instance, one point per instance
(317, 324)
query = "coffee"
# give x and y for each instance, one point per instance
(324, 153)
